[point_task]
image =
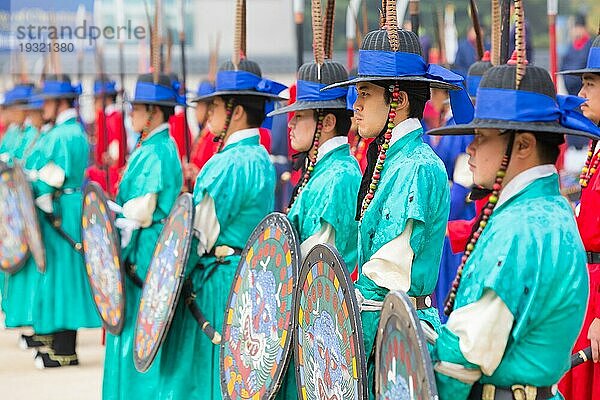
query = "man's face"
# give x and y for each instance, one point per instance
(370, 109)
(217, 115)
(50, 109)
(486, 152)
(590, 90)
(139, 117)
(201, 112)
(302, 128)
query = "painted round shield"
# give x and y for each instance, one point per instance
(257, 330)
(403, 369)
(33, 232)
(102, 259)
(328, 342)
(163, 283)
(13, 246)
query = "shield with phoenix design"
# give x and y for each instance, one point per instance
(328, 342)
(163, 283)
(257, 330)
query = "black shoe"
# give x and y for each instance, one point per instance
(49, 360)
(34, 341)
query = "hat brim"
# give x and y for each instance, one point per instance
(580, 71)
(158, 103)
(432, 82)
(310, 105)
(546, 127)
(50, 96)
(238, 93)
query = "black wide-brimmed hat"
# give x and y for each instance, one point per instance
(245, 80)
(534, 107)
(163, 92)
(308, 91)
(378, 62)
(593, 61)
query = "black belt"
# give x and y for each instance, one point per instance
(593, 257)
(421, 302)
(516, 392)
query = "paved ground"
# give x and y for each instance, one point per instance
(20, 380)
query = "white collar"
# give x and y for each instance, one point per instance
(66, 115)
(331, 145)
(111, 108)
(158, 129)
(240, 135)
(524, 179)
(404, 128)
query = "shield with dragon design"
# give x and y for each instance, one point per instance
(328, 341)
(403, 369)
(163, 283)
(33, 233)
(13, 246)
(102, 258)
(257, 330)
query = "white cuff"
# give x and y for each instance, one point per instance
(325, 235)
(141, 209)
(126, 227)
(44, 203)
(458, 372)
(206, 224)
(390, 267)
(52, 174)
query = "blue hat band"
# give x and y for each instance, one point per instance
(243, 80)
(594, 58)
(311, 91)
(109, 87)
(17, 94)
(473, 82)
(522, 106)
(205, 88)
(59, 88)
(148, 91)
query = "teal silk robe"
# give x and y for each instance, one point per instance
(241, 181)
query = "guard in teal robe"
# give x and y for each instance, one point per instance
(403, 201)
(19, 289)
(322, 207)
(520, 299)
(63, 299)
(152, 180)
(234, 191)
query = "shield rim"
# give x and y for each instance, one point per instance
(282, 219)
(401, 301)
(30, 232)
(142, 365)
(339, 267)
(94, 187)
(15, 267)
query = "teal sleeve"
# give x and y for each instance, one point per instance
(447, 349)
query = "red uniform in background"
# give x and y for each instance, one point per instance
(111, 143)
(177, 132)
(583, 382)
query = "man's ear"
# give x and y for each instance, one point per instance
(329, 123)
(237, 113)
(525, 145)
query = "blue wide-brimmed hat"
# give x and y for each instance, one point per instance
(58, 87)
(205, 88)
(105, 86)
(309, 95)
(533, 107)
(163, 93)
(18, 95)
(245, 80)
(34, 102)
(593, 61)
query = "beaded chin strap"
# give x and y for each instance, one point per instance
(312, 159)
(228, 113)
(591, 165)
(395, 89)
(146, 128)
